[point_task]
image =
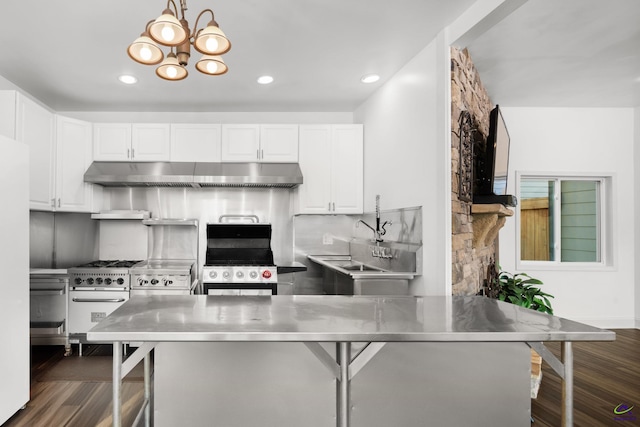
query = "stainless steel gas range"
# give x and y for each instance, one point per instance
(163, 277)
(95, 290)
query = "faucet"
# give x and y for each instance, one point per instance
(380, 230)
(375, 232)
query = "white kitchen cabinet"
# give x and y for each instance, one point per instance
(8, 113)
(331, 160)
(139, 142)
(195, 143)
(260, 143)
(73, 157)
(35, 128)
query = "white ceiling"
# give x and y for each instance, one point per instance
(563, 53)
(68, 54)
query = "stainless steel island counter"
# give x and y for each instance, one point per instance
(317, 320)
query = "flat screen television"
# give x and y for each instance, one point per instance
(491, 165)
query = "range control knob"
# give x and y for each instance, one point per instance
(253, 274)
(226, 275)
(90, 281)
(213, 274)
(77, 280)
(108, 281)
(239, 274)
(99, 281)
(120, 281)
(154, 281)
(266, 274)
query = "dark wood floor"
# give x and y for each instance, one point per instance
(606, 374)
(73, 403)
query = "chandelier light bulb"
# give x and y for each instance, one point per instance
(172, 72)
(212, 67)
(212, 44)
(168, 34)
(145, 53)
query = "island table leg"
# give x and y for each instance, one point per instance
(117, 382)
(567, 384)
(343, 392)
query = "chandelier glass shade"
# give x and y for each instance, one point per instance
(211, 64)
(168, 31)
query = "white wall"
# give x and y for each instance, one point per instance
(580, 140)
(401, 159)
(636, 181)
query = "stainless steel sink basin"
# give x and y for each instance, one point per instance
(360, 267)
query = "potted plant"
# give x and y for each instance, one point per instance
(521, 289)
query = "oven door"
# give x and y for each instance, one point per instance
(240, 288)
(88, 307)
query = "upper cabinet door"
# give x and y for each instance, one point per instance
(279, 143)
(35, 127)
(74, 149)
(331, 160)
(347, 186)
(112, 141)
(315, 163)
(240, 143)
(195, 143)
(150, 142)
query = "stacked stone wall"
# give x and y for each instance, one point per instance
(469, 264)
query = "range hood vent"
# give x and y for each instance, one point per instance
(190, 174)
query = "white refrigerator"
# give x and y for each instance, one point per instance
(14, 286)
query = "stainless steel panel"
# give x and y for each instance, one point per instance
(140, 173)
(241, 384)
(444, 384)
(61, 239)
(188, 174)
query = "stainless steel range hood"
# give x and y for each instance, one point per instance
(190, 174)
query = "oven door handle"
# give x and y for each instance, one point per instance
(98, 300)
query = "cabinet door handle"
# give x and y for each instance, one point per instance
(262, 154)
(128, 153)
(53, 202)
(334, 206)
(258, 154)
(58, 201)
(329, 207)
(133, 153)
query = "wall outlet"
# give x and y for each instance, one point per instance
(327, 239)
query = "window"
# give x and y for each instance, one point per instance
(561, 220)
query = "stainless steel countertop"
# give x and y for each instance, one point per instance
(334, 318)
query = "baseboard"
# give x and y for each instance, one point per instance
(610, 322)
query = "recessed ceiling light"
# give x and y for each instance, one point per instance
(265, 80)
(126, 79)
(370, 78)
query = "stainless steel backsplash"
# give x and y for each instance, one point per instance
(340, 235)
(61, 239)
(206, 205)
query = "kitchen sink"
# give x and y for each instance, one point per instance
(361, 267)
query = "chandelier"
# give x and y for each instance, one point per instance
(168, 31)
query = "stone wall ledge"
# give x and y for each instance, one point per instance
(488, 219)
